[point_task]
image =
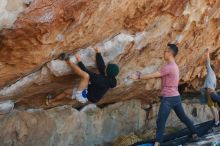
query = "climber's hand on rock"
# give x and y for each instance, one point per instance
(207, 52)
(96, 49)
(78, 57)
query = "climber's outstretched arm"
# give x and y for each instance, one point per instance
(208, 64)
(100, 61)
(83, 75)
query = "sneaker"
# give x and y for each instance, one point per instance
(217, 124)
(80, 98)
(195, 138)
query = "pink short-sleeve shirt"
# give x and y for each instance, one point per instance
(170, 80)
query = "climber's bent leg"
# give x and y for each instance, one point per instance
(64, 94)
(84, 76)
(81, 93)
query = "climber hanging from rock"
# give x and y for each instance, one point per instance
(170, 94)
(92, 86)
(209, 87)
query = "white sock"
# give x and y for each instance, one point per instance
(80, 98)
(217, 122)
(79, 92)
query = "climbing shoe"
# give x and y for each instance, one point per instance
(64, 56)
(48, 98)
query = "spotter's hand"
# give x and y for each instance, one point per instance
(134, 77)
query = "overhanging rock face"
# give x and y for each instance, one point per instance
(131, 33)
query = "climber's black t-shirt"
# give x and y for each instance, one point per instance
(99, 83)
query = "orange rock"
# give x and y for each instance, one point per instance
(131, 33)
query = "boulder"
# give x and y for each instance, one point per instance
(64, 126)
(91, 125)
